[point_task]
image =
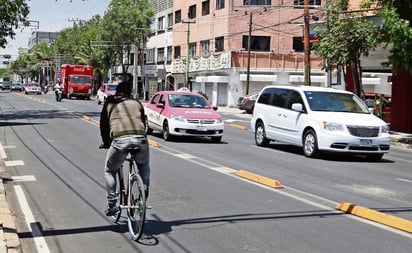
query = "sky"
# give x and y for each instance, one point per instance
(53, 16)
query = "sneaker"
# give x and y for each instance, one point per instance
(111, 211)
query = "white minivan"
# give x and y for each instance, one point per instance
(319, 119)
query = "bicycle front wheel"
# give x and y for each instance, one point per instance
(137, 207)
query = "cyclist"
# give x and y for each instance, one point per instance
(122, 126)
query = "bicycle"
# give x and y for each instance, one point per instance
(132, 198)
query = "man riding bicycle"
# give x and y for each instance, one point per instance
(122, 126)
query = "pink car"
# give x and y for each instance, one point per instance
(105, 90)
(183, 113)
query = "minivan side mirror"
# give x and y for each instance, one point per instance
(160, 105)
(297, 107)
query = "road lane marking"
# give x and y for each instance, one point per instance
(13, 163)
(25, 178)
(238, 126)
(31, 223)
(3, 154)
(386, 219)
(404, 180)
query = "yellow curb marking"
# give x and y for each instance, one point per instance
(238, 126)
(386, 219)
(259, 179)
(154, 143)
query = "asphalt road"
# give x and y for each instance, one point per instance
(55, 189)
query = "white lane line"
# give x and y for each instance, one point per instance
(39, 240)
(404, 180)
(26, 178)
(13, 163)
(3, 154)
(185, 156)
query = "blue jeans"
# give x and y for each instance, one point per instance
(115, 157)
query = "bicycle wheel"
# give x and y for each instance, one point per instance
(120, 195)
(137, 207)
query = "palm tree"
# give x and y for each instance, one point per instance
(44, 55)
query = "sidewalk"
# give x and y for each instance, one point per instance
(9, 240)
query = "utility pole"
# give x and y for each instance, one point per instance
(248, 54)
(187, 50)
(306, 45)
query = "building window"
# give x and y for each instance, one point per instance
(220, 4)
(192, 11)
(219, 44)
(169, 20)
(160, 55)
(160, 24)
(150, 55)
(177, 52)
(178, 16)
(257, 43)
(300, 3)
(258, 2)
(169, 54)
(205, 8)
(204, 47)
(298, 44)
(192, 49)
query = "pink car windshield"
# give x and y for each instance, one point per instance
(187, 101)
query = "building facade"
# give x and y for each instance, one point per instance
(203, 45)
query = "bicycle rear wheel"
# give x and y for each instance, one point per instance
(137, 207)
(120, 195)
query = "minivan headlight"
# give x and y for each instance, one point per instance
(332, 126)
(385, 129)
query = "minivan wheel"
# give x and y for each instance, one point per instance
(260, 135)
(310, 144)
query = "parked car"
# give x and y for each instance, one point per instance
(183, 113)
(380, 105)
(105, 90)
(319, 119)
(5, 85)
(16, 86)
(32, 88)
(247, 102)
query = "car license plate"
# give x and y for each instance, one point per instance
(201, 128)
(365, 142)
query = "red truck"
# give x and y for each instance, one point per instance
(77, 80)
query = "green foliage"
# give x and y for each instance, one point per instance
(126, 23)
(345, 36)
(397, 34)
(13, 14)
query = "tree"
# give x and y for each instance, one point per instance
(346, 37)
(13, 14)
(397, 32)
(126, 23)
(44, 55)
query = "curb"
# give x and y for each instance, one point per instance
(9, 240)
(376, 216)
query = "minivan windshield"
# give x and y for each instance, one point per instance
(335, 102)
